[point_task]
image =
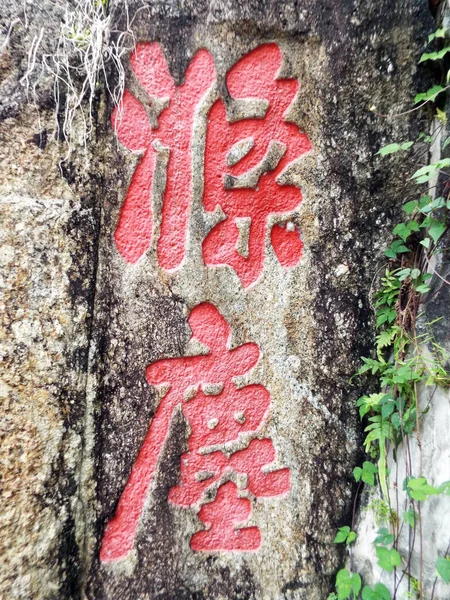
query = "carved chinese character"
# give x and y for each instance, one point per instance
(248, 146)
(226, 460)
(160, 126)
(247, 154)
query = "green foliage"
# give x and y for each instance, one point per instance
(366, 473)
(434, 55)
(384, 537)
(418, 488)
(348, 585)
(392, 148)
(410, 516)
(379, 592)
(444, 488)
(344, 534)
(391, 412)
(430, 94)
(443, 568)
(439, 33)
(382, 511)
(388, 559)
(424, 174)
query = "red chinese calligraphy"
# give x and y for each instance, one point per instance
(257, 152)
(222, 516)
(247, 153)
(173, 130)
(218, 413)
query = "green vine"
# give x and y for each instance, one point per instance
(404, 360)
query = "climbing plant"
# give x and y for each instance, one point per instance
(405, 358)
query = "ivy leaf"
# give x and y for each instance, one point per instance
(366, 473)
(389, 149)
(341, 535)
(392, 148)
(384, 537)
(402, 231)
(444, 488)
(434, 55)
(387, 409)
(397, 247)
(419, 489)
(429, 94)
(426, 242)
(443, 568)
(423, 289)
(436, 230)
(388, 559)
(425, 173)
(410, 517)
(379, 592)
(350, 538)
(386, 314)
(427, 170)
(410, 207)
(415, 273)
(413, 226)
(403, 274)
(423, 201)
(346, 583)
(366, 403)
(439, 33)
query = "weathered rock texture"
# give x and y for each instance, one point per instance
(82, 324)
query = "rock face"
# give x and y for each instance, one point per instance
(186, 305)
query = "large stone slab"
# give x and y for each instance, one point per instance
(219, 247)
(232, 296)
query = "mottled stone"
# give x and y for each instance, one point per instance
(93, 323)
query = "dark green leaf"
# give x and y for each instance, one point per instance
(387, 410)
(410, 207)
(402, 231)
(436, 230)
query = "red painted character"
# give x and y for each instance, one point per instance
(172, 131)
(218, 413)
(246, 156)
(245, 162)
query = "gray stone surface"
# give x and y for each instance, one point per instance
(91, 324)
